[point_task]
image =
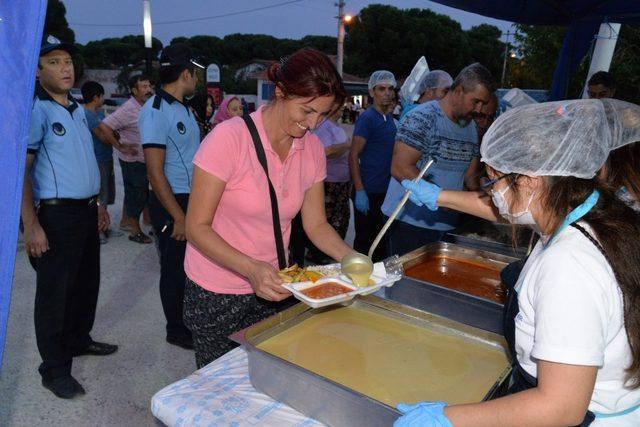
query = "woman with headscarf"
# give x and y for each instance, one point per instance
(572, 320)
(229, 108)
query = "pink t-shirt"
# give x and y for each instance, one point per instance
(125, 121)
(243, 217)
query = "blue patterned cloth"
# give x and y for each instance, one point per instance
(220, 394)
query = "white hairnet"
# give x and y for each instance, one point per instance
(382, 77)
(563, 138)
(435, 79)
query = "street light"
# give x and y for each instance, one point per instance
(146, 25)
(342, 19)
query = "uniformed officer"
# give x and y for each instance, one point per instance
(61, 221)
(170, 138)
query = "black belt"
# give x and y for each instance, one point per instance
(69, 202)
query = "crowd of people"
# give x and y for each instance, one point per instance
(223, 192)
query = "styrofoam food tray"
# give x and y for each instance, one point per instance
(296, 288)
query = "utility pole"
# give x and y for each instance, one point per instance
(340, 17)
(506, 55)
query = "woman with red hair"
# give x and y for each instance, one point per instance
(239, 217)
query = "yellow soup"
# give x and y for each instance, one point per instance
(390, 360)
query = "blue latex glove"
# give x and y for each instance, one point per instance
(423, 414)
(362, 201)
(423, 193)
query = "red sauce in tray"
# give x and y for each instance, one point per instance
(326, 290)
(467, 277)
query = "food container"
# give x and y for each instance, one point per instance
(301, 290)
(443, 298)
(350, 365)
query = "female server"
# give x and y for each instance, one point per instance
(572, 318)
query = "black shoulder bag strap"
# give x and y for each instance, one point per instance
(262, 158)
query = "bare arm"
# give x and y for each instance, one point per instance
(560, 399)
(319, 231)
(337, 150)
(154, 158)
(472, 175)
(357, 146)
(36, 242)
(107, 135)
(206, 192)
(476, 203)
(404, 161)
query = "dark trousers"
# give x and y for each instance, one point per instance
(368, 226)
(67, 284)
(403, 237)
(298, 242)
(136, 187)
(172, 276)
(336, 205)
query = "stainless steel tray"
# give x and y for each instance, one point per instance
(485, 245)
(450, 303)
(328, 401)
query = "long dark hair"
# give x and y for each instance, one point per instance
(617, 229)
(199, 104)
(623, 169)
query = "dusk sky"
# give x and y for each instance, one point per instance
(97, 19)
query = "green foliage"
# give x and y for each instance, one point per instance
(118, 51)
(55, 22)
(391, 38)
(539, 48)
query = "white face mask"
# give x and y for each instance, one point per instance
(521, 218)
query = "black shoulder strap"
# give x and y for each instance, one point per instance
(262, 158)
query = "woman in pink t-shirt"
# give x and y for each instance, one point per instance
(231, 259)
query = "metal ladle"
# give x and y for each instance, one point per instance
(398, 208)
(356, 258)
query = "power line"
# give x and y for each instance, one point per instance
(182, 21)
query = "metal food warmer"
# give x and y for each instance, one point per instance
(453, 281)
(350, 365)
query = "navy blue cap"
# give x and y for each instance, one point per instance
(177, 54)
(50, 43)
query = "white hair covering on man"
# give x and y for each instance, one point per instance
(563, 138)
(435, 79)
(382, 77)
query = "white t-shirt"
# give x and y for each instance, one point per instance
(571, 311)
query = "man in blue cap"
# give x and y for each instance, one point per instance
(170, 137)
(61, 219)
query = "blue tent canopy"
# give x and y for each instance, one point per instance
(583, 17)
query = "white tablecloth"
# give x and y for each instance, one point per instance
(220, 394)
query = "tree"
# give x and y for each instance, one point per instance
(539, 48)
(55, 22)
(386, 37)
(118, 51)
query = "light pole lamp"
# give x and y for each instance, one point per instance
(148, 40)
(342, 19)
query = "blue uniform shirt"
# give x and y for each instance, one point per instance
(103, 152)
(375, 160)
(65, 165)
(428, 129)
(167, 123)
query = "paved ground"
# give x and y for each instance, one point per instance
(119, 387)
